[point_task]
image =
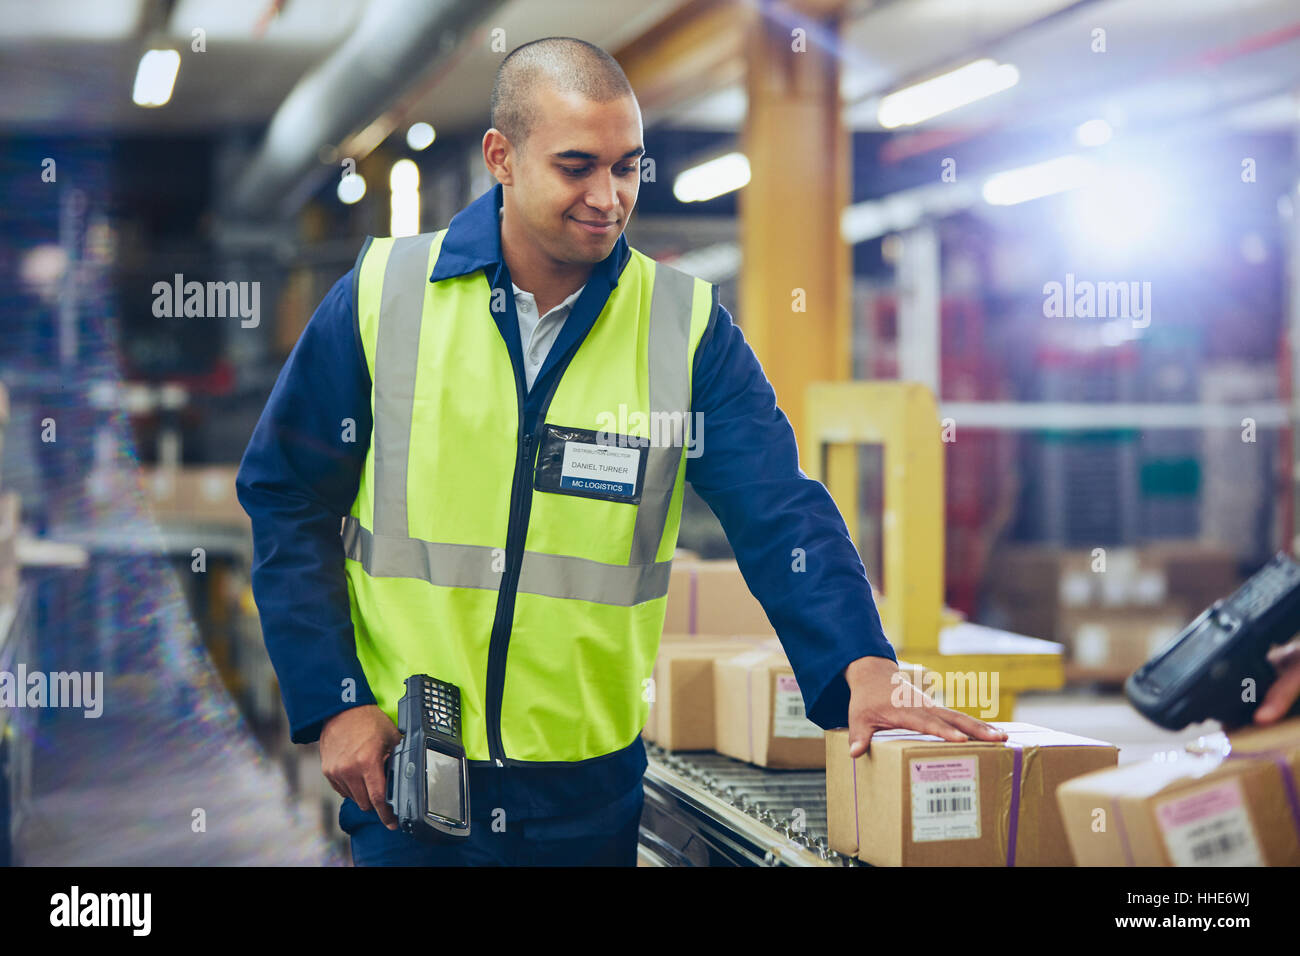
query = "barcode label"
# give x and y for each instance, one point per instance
(1210, 828)
(788, 718)
(945, 800)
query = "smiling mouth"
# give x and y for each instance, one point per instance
(595, 225)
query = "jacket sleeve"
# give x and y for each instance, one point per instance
(790, 541)
(298, 478)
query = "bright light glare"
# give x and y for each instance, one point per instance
(1121, 211)
(404, 181)
(420, 136)
(712, 179)
(969, 83)
(351, 188)
(1040, 179)
(1095, 132)
(155, 77)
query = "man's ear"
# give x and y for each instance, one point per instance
(498, 156)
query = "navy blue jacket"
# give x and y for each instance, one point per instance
(298, 477)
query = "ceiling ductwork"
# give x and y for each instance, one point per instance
(396, 44)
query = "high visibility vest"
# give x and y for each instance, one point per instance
(480, 555)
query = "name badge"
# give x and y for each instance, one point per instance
(572, 462)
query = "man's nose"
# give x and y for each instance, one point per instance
(603, 196)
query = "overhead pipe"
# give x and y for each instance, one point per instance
(395, 45)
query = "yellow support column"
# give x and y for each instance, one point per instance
(794, 301)
(981, 670)
(901, 417)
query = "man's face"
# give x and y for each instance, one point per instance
(579, 171)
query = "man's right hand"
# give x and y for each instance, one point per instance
(353, 747)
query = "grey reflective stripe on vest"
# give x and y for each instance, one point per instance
(473, 566)
(390, 552)
(397, 351)
(670, 397)
(447, 565)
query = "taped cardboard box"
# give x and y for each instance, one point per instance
(760, 713)
(682, 711)
(1239, 808)
(710, 598)
(918, 800)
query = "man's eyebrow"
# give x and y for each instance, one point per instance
(579, 154)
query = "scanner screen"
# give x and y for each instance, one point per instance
(443, 786)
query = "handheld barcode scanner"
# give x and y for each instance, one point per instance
(428, 779)
(1205, 672)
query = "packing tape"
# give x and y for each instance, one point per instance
(1017, 765)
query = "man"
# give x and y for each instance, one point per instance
(493, 354)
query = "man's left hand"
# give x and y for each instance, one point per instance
(881, 698)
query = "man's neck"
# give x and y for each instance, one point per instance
(533, 271)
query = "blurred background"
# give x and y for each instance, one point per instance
(1074, 223)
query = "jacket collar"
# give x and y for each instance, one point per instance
(473, 242)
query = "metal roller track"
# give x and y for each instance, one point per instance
(704, 809)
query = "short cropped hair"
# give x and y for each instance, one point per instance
(566, 64)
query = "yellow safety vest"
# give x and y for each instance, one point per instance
(503, 562)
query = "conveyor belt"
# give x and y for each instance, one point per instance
(704, 809)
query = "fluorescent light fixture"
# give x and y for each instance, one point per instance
(420, 136)
(155, 77)
(974, 81)
(1095, 132)
(404, 181)
(712, 179)
(1040, 179)
(351, 188)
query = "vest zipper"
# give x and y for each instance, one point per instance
(516, 533)
(521, 499)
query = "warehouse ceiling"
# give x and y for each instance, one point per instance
(68, 65)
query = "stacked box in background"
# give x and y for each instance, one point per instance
(204, 494)
(1239, 808)
(682, 709)
(759, 712)
(1110, 620)
(711, 597)
(916, 800)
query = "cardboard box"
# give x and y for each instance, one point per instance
(759, 712)
(917, 800)
(682, 711)
(1111, 643)
(1031, 588)
(711, 597)
(204, 494)
(1197, 573)
(1193, 809)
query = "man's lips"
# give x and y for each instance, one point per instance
(598, 226)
